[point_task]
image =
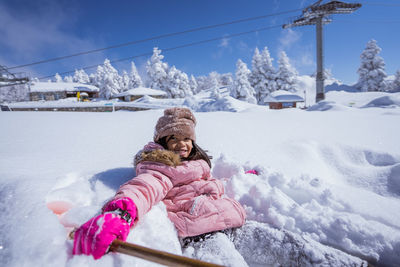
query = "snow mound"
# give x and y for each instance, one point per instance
(387, 101)
(225, 103)
(327, 105)
(312, 207)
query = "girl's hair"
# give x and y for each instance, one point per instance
(196, 153)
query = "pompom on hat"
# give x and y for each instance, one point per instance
(176, 121)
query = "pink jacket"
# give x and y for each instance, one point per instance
(195, 202)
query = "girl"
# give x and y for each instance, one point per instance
(172, 169)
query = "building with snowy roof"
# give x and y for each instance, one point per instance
(280, 99)
(59, 90)
(136, 93)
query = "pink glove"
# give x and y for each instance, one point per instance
(252, 172)
(96, 235)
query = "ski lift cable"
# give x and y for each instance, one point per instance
(369, 21)
(381, 4)
(154, 38)
(173, 48)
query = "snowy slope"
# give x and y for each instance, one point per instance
(330, 174)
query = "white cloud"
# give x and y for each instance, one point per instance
(224, 43)
(40, 34)
(288, 38)
(242, 46)
(306, 59)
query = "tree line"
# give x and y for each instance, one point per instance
(251, 86)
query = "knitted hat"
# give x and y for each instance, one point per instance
(176, 121)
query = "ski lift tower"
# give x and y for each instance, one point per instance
(317, 14)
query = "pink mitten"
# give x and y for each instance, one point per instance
(96, 235)
(252, 172)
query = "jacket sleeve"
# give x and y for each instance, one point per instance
(146, 190)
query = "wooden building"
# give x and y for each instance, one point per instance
(283, 99)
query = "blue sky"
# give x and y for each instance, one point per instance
(36, 30)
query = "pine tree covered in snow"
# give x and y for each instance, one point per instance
(177, 84)
(226, 79)
(395, 84)
(214, 86)
(287, 75)
(68, 79)
(81, 76)
(263, 75)
(214, 79)
(193, 84)
(203, 83)
(208, 82)
(99, 76)
(124, 81)
(157, 71)
(372, 69)
(242, 88)
(14, 93)
(255, 75)
(134, 77)
(108, 80)
(92, 78)
(58, 78)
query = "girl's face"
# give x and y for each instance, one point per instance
(180, 144)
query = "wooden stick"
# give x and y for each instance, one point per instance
(153, 255)
(157, 256)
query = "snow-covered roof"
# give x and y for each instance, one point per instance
(62, 86)
(283, 96)
(141, 91)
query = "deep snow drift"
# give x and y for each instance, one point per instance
(331, 174)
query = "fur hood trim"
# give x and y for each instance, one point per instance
(166, 157)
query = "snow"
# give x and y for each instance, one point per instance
(145, 102)
(283, 96)
(141, 91)
(331, 175)
(62, 86)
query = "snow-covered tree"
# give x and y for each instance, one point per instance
(207, 82)
(394, 86)
(68, 79)
(255, 75)
(193, 84)
(201, 83)
(134, 77)
(125, 81)
(58, 78)
(108, 80)
(157, 71)
(263, 75)
(185, 84)
(214, 79)
(99, 76)
(14, 93)
(80, 76)
(92, 78)
(177, 84)
(287, 75)
(242, 88)
(372, 69)
(226, 79)
(214, 86)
